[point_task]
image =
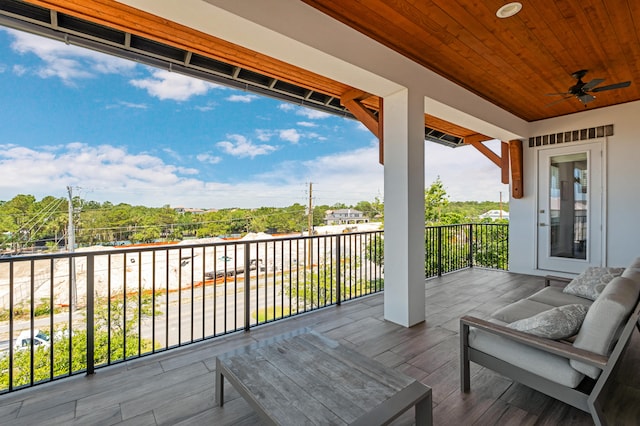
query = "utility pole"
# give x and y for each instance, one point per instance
(310, 221)
(71, 244)
(310, 215)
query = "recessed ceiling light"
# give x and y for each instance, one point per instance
(509, 10)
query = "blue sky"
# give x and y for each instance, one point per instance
(124, 132)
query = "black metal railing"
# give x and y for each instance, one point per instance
(70, 313)
(450, 248)
(64, 314)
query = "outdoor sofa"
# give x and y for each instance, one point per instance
(564, 345)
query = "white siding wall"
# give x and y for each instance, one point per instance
(622, 193)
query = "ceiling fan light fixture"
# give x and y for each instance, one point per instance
(509, 9)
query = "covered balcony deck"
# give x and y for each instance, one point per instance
(177, 386)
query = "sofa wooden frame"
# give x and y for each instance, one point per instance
(591, 402)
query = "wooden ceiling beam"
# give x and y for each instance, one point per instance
(504, 165)
(502, 160)
(352, 100)
(515, 155)
(476, 142)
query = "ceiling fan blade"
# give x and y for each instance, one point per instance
(592, 83)
(558, 93)
(612, 86)
(559, 100)
(586, 98)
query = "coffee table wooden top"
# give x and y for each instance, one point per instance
(304, 378)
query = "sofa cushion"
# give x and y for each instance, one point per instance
(604, 321)
(523, 308)
(592, 281)
(554, 296)
(556, 323)
(633, 273)
(541, 363)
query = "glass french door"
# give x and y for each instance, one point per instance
(570, 203)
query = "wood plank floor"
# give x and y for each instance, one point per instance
(177, 387)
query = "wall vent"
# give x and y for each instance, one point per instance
(572, 136)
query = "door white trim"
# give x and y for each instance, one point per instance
(575, 265)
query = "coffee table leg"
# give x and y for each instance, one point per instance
(219, 384)
(424, 413)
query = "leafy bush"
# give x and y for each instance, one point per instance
(70, 348)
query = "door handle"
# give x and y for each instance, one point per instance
(542, 224)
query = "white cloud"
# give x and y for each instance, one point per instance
(116, 175)
(290, 135)
(103, 166)
(465, 173)
(128, 105)
(66, 62)
(242, 98)
(169, 85)
(306, 124)
(3, 68)
(314, 135)
(311, 114)
(172, 153)
(264, 135)
(187, 171)
(19, 70)
(204, 108)
(286, 107)
(361, 126)
(208, 158)
(240, 146)
(348, 176)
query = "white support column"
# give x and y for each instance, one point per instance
(404, 278)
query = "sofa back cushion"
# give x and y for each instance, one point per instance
(604, 321)
(592, 281)
(633, 271)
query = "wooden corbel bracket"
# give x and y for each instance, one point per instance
(351, 100)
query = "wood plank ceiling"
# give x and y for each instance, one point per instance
(513, 62)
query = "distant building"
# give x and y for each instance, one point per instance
(344, 216)
(495, 214)
(183, 210)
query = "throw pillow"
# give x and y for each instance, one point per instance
(557, 323)
(591, 282)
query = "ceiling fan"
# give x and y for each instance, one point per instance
(582, 91)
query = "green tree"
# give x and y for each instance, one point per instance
(435, 199)
(472, 209)
(375, 249)
(491, 245)
(135, 308)
(318, 286)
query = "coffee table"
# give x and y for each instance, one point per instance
(305, 378)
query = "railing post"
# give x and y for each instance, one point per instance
(338, 271)
(439, 228)
(90, 315)
(506, 247)
(471, 245)
(247, 286)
